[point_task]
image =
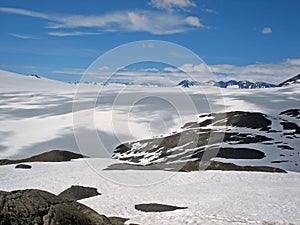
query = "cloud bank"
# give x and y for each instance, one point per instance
(272, 73)
(153, 22)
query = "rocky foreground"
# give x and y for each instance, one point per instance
(33, 206)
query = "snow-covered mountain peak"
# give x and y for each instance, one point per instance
(293, 80)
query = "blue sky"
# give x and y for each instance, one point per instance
(256, 40)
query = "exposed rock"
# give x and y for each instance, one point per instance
(51, 156)
(291, 126)
(239, 137)
(286, 147)
(292, 80)
(292, 113)
(155, 207)
(23, 166)
(214, 165)
(117, 220)
(230, 153)
(194, 166)
(76, 192)
(34, 206)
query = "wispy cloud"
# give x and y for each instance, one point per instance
(209, 11)
(72, 33)
(171, 5)
(23, 36)
(69, 71)
(266, 30)
(153, 22)
(25, 13)
(131, 21)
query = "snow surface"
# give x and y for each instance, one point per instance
(212, 197)
(37, 115)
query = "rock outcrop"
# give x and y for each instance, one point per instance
(51, 156)
(39, 207)
(76, 192)
(236, 140)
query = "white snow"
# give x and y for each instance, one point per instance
(40, 114)
(37, 115)
(212, 197)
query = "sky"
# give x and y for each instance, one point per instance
(256, 40)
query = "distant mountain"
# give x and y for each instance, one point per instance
(228, 84)
(243, 84)
(187, 83)
(293, 80)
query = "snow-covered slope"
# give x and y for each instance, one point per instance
(43, 117)
(15, 82)
(293, 80)
(242, 138)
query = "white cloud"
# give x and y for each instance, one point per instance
(72, 33)
(193, 21)
(273, 73)
(266, 30)
(25, 13)
(74, 71)
(23, 36)
(170, 5)
(104, 68)
(171, 70)
(127, 21)
(209, 11)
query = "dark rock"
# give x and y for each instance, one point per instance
(23, 166)
(215, 165)
(232, 135)
(33, 206)
(230, 153)
(117, 220)
(251, 120)
(291, 126)
(293, 80)
(292, 113)
(286, 147)
(279, 161)
(52, 156)
(76, 192)
(194, 166)
(155, 207)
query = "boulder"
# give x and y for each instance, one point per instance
(23, 166)
(33, 206)
(155, 207)
(76, 192)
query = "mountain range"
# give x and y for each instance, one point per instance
(245, 84)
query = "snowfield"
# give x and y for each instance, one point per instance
(38, 115)
(212, 197)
